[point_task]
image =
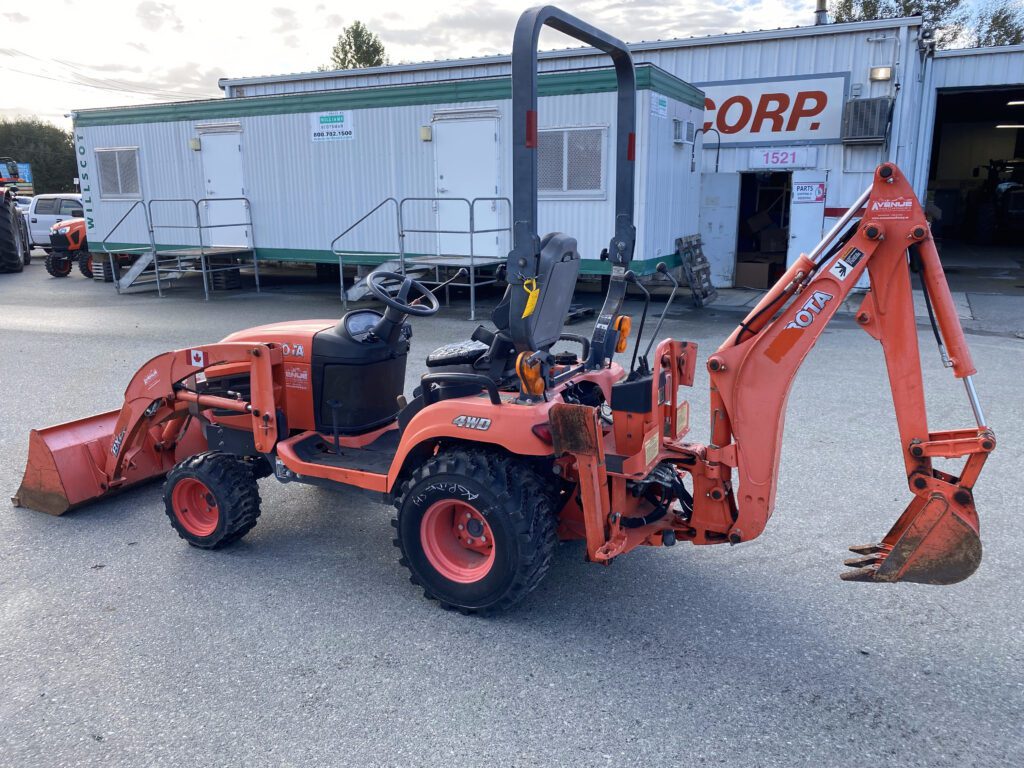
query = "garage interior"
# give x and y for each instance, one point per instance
(763, 232)
(976, 186)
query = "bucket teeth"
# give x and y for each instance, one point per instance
(867, 549)
(862, 562)
(861, 574)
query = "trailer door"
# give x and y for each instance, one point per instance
(223, 210)
(466, 165)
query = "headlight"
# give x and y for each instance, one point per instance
(63, 230)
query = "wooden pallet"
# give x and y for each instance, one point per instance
(697, 270)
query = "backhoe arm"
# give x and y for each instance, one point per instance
(936, 539)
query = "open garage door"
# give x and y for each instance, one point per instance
(976, 183)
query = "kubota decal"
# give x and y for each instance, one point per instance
(810, 310)
(293, 350)
(150, 378)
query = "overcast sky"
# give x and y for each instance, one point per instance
(59, 55)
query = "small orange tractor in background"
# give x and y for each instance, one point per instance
(69, 245)
(15, 245)
(508, 445)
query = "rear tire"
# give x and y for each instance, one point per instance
(507, 536)
(85, 264)
(12, 246)
(212, 499)
(58, 263)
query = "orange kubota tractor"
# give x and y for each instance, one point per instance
(507, 446)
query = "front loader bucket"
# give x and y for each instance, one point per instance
(935, 541)
(66, 463)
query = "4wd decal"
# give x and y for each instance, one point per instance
(472, 422)
(844, 265)
(811, 308)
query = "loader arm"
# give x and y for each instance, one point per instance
(936, 539)
(77, 462)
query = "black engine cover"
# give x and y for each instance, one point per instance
(364, 375)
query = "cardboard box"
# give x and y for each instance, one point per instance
(760, 274)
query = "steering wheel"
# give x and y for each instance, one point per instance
(401, 303)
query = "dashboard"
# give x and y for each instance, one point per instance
(359, 323)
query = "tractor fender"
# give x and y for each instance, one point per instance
(471, 420)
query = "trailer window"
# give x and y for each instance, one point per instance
(119, 172)
(570, 162)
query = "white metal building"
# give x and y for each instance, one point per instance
(795, 122)
(309, 164)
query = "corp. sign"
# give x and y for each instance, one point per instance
(795, 110)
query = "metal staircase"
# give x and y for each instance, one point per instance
(151, 266)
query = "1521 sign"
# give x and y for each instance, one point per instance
(783, 157)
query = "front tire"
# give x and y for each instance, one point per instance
(58, 263)
(212, 499)
(476, 529)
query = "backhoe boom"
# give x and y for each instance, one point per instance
(936, 539)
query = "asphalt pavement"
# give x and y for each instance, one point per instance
(305, 644)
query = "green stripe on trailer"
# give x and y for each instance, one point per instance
(648, 77)
(373, 259)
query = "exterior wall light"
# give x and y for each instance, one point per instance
(879, 74)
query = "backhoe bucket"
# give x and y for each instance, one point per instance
(935, 541)
(66, 462)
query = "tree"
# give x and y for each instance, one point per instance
(1000, 22)
(357, 47)
(947, 17)
(50, 151)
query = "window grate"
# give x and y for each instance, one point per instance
(570, 162)
(866, 121)
(119, 172)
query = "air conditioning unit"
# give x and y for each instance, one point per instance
(866, 121)
(683, 131)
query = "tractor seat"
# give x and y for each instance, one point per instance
(457, 353)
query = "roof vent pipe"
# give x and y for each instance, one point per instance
(821, 13)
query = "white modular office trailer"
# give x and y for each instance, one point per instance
(286, 173)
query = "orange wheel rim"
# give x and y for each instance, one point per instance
(195, 507)
(457, 541)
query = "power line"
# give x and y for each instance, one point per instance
(106, 84)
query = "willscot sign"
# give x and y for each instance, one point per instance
(799, 110)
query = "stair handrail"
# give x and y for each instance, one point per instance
(340, 254)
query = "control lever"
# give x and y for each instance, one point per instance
(662, 269)
(630, 277)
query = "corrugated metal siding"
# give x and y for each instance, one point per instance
(304, 193)
(740, 58)
(979, 67)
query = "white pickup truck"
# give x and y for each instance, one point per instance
(47, 210)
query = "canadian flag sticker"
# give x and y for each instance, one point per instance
(197, 357)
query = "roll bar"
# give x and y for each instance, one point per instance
(523, 258)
